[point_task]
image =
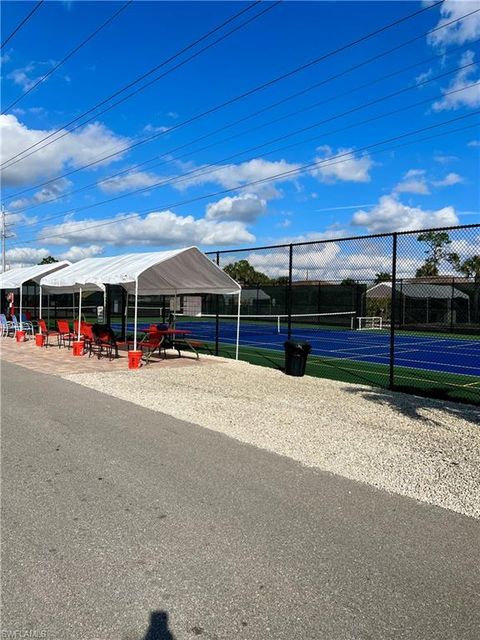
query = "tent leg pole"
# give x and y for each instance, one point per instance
(79, 312)
(40, 305)
(135, 314)
(238, 325)
(21, 306)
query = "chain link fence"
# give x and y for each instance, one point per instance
(400, 310)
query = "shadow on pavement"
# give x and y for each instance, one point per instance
(158, 627)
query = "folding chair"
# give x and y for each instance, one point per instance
(6, 326)
(65, 335)
(42, 325)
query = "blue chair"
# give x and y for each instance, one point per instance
(6, 326)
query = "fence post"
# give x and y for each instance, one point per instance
(393, 313)
(217, 319)
(290, 296)
(452, 305)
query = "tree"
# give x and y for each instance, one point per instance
(470, 268)
(350, 282)
(243, 272)
(383, 276)
(437, 251)
(48, 260)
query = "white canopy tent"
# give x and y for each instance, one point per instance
(16, 278)
(180, 271)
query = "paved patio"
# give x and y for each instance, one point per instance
(61, 362)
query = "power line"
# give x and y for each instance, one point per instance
(284, 174)
(69, 55)
(229, 125)
(143, 76)
(269, 83)
(20, 25)
(213, 168)
(246, 132)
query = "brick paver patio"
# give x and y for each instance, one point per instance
(60, 362)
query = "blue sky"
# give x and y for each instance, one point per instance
(427, 183)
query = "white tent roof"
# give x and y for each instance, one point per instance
(416, 290)
(15, 278)
(66, 282)
(180, 271)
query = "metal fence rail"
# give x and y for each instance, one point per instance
(414, 296)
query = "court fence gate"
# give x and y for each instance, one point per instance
(394, 310)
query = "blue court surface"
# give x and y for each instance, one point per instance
(442, 353)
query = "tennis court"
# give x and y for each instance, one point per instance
(455, 357)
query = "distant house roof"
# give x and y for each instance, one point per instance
(416, 290)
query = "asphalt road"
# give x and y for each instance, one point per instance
(121, 523)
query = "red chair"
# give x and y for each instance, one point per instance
(65, 335)
(42, 325)
(152, 341)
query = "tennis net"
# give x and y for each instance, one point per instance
(267, 323)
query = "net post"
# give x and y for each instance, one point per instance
(289, 291)
(393, 303)
(217, 310)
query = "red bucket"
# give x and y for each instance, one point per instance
(134, 358)
(20, 336)
(39, 340)
(78, 348)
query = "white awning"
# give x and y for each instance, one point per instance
(181, 271)
(15, 278)
(419, 290)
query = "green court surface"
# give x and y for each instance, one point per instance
(430, 383)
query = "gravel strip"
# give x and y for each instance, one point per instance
(417, 447)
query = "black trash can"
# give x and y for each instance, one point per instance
(296, 354)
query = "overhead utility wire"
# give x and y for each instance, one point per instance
(20, 25)
(255, 89)
(165, 73)
(68, 56)
(212, 169)
(214, 166)
(229, 125)
(283, 174)
(256, 128)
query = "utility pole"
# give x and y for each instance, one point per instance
(4, 238)
(4, 234)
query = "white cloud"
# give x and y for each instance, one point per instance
(23, 77)
(348, 168)
(75, 149)
(151, 128)
(422, 77)
(473, 143)
(469, 97)
(459, 32)
(25, 256)
(48, 192)
(450, 179)
(160, 228)
(246, 208)
(391, 215)
(129, 181)
(414, 181)
(233, 176)
(79, 253)
(441, 158)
